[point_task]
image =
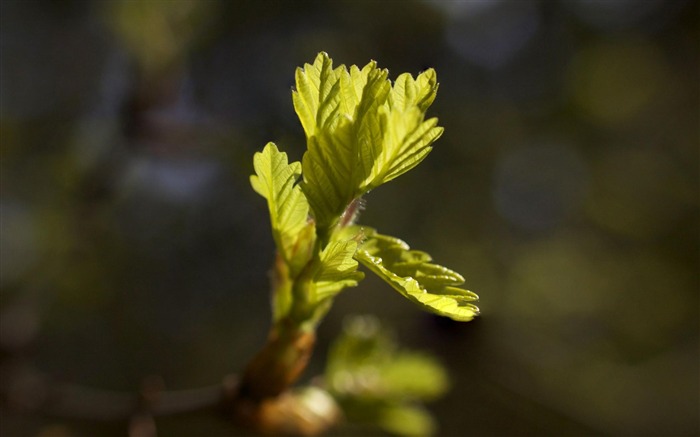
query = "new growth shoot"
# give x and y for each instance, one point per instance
(362, 131)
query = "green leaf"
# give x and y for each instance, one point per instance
(275, 180)
(328, 165)
(411, 274)
(406, 420)
(407, 138)
(338, 269)
(316, 96)
(379, 384)
(356, 355)
(365, 361)
(419, 93)
(339, 124)
(415, 376)
(407, 141)
(361, 132)
(369, 130)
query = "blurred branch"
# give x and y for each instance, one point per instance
(33, 391)
(285, 411)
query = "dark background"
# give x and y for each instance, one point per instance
(565, 189)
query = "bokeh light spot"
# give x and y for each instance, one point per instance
(637, 193)
(615, 81)
(536, 187)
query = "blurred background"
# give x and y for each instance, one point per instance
(565, 188)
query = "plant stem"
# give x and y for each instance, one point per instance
(279, 364)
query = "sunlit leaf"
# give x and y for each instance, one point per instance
(316, 95)
(407, 138)
(328, 166)
(329, 160)
(275, 180)
(338, 122)
(369, 130)
(408, 92)
(411, 274)
(338, 269)
(407, 141)
(361, 132)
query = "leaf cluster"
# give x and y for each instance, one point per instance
(362, 131)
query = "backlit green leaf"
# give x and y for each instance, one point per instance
(361, 132)
(338, 269)
(407, 138)
(407, 141)
(328, 166)
(316, 95)
(369, 130)
(275, 180)
(408, 92)
(411, 274)
(339, 111)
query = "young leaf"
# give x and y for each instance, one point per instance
(411, 274)
(316, 95)
(366, 361)
(337, 269)
(370, 130)
(275, 179)
(361, 132)
(419, 93)
(407, 141)
(340, 152)
(328, 161)
(328, 166)
(378, 383)
(414, 376)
